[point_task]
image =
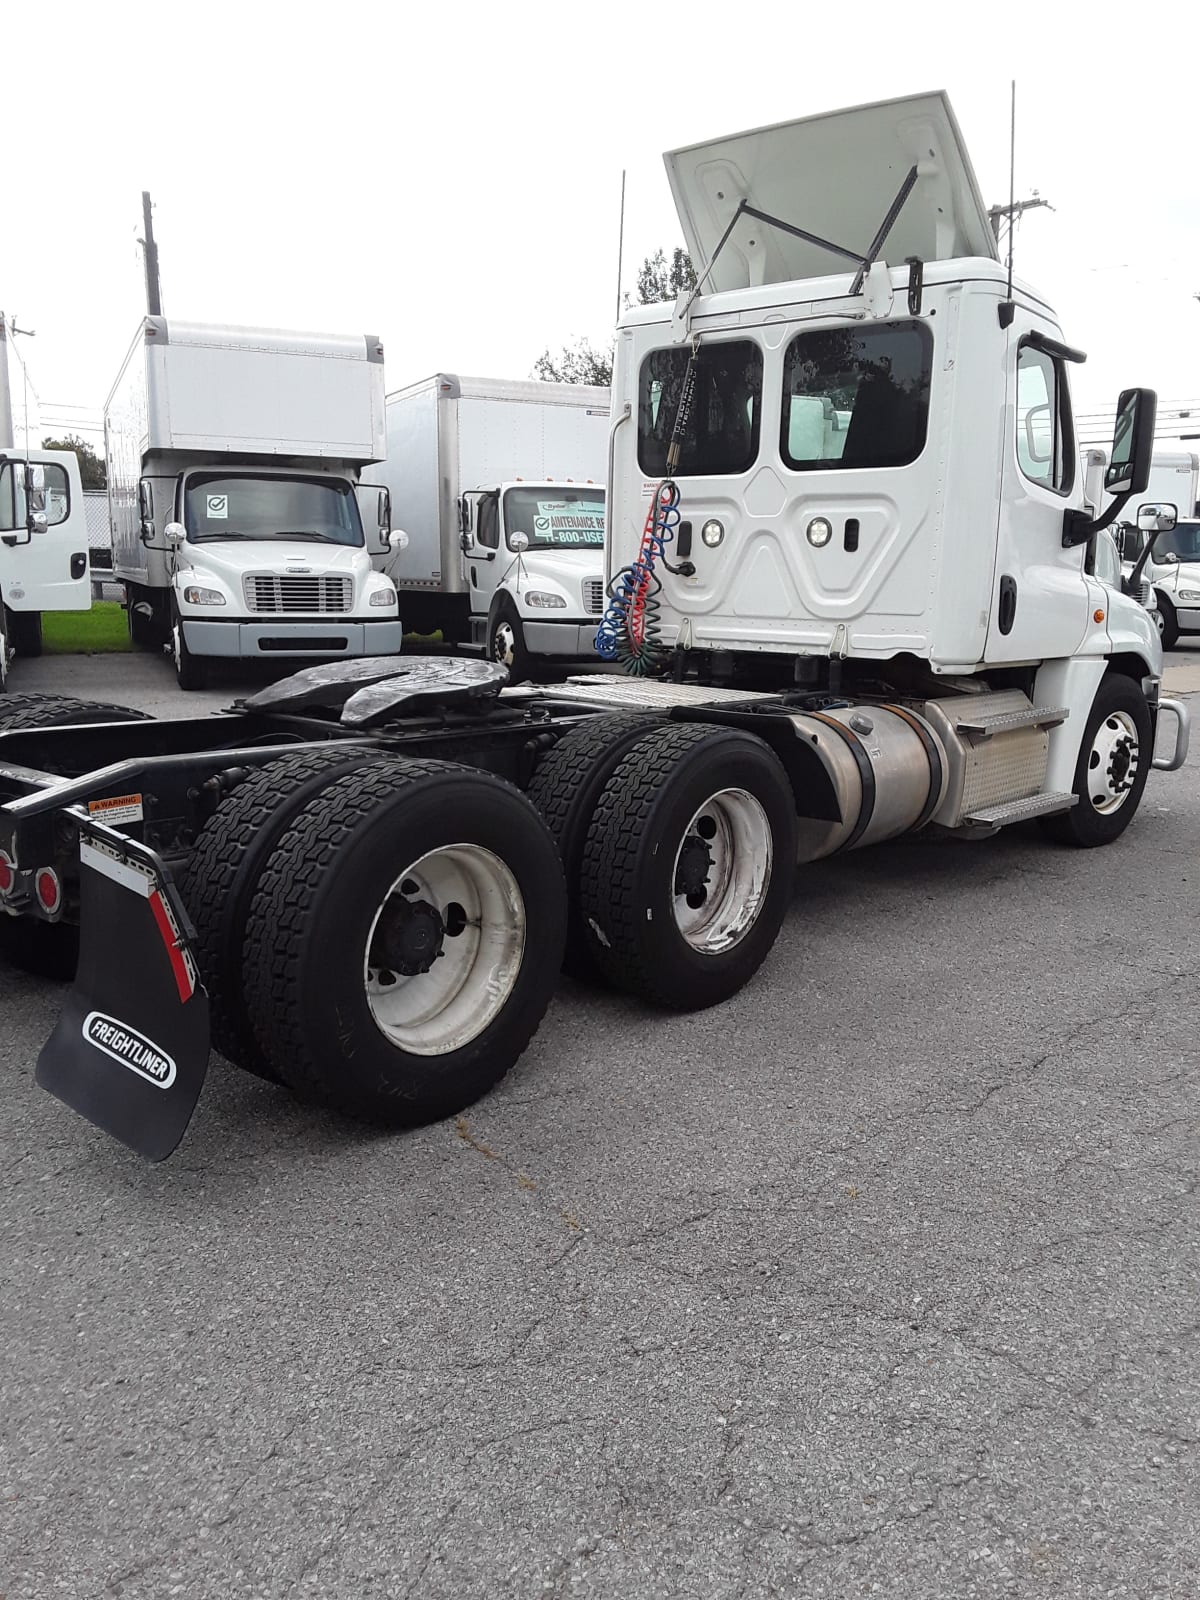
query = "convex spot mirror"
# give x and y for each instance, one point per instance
(1157, 518)
(397, 539)
(518, 542)
(175, 532)
(1128, 469)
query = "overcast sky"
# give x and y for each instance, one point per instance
(449, 175)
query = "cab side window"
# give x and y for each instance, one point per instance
(1045, 434)
(487, 523)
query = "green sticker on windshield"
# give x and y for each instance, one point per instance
(569, 522)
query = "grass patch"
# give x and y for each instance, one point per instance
(100, 631)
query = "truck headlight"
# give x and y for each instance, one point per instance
(196, 596)
(539, 597)
(383, 597)
(1189, 594)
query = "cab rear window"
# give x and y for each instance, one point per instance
(856, 397)
(721, 437)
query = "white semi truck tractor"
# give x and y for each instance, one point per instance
(234, 462)
(853, 603)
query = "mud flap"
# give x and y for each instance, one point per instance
(130, 1051)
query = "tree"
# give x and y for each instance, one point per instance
(657, 279)
(660, 279)
(577, 363)
(92, 469)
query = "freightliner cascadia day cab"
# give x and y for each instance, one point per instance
(234, 455)
(851, 601)
(499, 486)
(43, 534)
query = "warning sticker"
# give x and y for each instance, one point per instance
(218, 507)
(120, 808)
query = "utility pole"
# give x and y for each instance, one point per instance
(8, 438)
(150, 251)
(1014, 210)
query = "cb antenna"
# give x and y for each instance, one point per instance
(1008, 309)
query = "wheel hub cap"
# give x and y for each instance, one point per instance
(409, 937)
(1114, 762)
(722, 871)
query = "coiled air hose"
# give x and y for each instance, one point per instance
(629, 630)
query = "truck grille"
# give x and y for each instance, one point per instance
(270, 592)
(593, 596)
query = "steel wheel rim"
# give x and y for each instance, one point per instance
(1113, 763)
(482, 942)
(1159, 623)
(504, 644)
(736, 834)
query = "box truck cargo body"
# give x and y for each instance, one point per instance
(235, 459)
(499, 487)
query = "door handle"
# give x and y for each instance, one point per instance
(1007, 614)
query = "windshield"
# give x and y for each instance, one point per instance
(556, 518)
(1183, 542)
(258, 506)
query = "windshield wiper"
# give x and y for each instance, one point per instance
(225, 533)
(306, 533)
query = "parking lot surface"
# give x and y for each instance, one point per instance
(880, 1279)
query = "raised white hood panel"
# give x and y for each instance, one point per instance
(835, 176)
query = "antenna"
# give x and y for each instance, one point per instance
(621, 245)
(1008, 310)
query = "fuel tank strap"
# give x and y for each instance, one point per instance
(936, 767)
(866, 773)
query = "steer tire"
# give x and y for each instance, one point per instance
(1169, 631)
(315, 922)
(221, 875)
(566, 789)
(1083, 826)
(42, 949)
(629, 891)
(21, 711)
(25, 633)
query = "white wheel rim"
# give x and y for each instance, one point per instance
(1159, 623)
(177, 646)
(729, 841)
(1113, 763)
(469, 923)
(504, 644)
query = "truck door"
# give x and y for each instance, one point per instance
(483, 549)
(1040, 598)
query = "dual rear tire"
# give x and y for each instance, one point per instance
(388, 936)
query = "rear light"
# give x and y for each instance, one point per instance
(48, 887)
(8, 874)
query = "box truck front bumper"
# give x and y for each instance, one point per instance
(559, 638)
(264, 639)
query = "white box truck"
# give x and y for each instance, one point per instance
(853, 603)
(1169, 577)
(43, 535)
(499, 486)
(234, 461)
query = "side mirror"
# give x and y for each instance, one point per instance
(146, 509)
(36, 522)
(519, 542)
(175, 533)
(464, 517)
(1128, 469)
(397, 539)
(1157, 518)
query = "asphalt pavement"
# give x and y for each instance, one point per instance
(879, 1279)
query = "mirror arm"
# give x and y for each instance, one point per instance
(1078, 527)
